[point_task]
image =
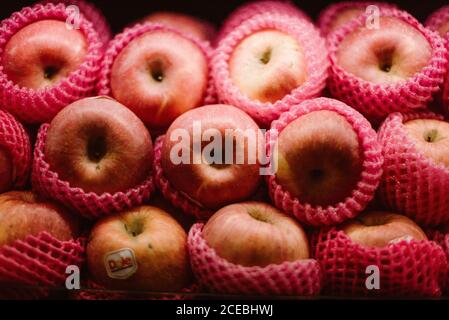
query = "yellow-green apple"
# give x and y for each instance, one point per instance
(183, 22)
(99, 145)
(23, 214)
(43, 53)
(255, 234)
(6, 170)
(224, 174)
(140, 249)
(159, 76)
(268, 65)
(378, 229)
(431, 138)
(319, 158)
(391, 53)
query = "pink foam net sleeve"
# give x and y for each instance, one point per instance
(404, 268)
(299, 278)
(89, 205)
(38, 106)
(370, 177)
(315, 55)
(376, 101)
(16, 141)
(412, 184)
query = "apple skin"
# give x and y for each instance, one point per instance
(255, 234)
(393, 53)
(23, 214)
(100, 146)
(268, 65)
(159, 244)
(319, 158)
(159, 76)
(378, 229)
(43, 53)
(431, 138)
(443, 29)
(212, 186)
(6, 171)
(185, 23)
(344, 16)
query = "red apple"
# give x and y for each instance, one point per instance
(443, 29)
(6, 171)
(431, 138)
(100, 146)
(379, 229)
(268, 65)
(185, 23)
(23, 214)
(140, 249)
(214, 184)
(255, 234)
(338, 14)
(43, 53)
(319, 158)
(439, 21)
(391, 53)
(159, 76)
(345, 15)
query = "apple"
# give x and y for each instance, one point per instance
(43, 53)
(378, 229)
(23, 214)
(92, 13)
(185, 23)
(346, 15)
(319, 158)
(213, 183)
(439, 21)
(267, 65)
(443, 29)
(390, 54)
(6, 171)
(100, 146)
(255, 234)
(140, 249)
(431, 138)
(159, 76)
(338, 14)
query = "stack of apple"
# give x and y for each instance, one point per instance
(304, 208)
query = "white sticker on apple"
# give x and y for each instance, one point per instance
(120, 264)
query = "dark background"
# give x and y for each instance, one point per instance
(122, 12)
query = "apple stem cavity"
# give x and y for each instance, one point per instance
(50, 72)
(156, 71)
(431, 136)
(316, 174)
(96, 148)
(266, 56)
(135, 229)
(258, 216)
(386, 60)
